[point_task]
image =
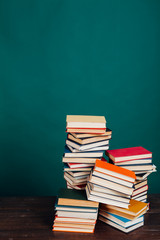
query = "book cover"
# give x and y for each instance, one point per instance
(128, 153)
(112, 168)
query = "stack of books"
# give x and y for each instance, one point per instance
(87, 140)
(110, 184)
(124, 219)
(138, 160)
(74, 213)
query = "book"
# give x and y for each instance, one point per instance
(115, 171)
(135, 209)
(77, 173)
(86, 130)
(73, 208)
(139, 167)
(71, 229)
(71, 197)
(126, 154)
(139, 184)
(101, 148)
(87, 135)
(87, 140)
(124, 222)
(81, 121)
(74, 220)
(78, 160)
(83, 147)
(68, 169)
(96, 154)
(132, 162)
(112, 179)
(140, 190)
(80, 165)
(74, 214)
(77, 187)
(123, 229)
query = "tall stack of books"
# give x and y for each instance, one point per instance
(124, 219)
(87, 140)
(138, 160)
(110, 184)
(74, 213)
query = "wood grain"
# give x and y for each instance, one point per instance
(32, 218)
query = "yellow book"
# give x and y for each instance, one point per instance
(135, 208)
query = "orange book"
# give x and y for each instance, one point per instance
(116, 171)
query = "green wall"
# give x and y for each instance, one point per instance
(74, 57)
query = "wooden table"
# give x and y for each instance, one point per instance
(32, 218)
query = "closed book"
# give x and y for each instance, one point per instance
(123, 229)
(68, 153)
(74, 225)
(77, 173)
(138, 167)
(112, 179)
(110, 169)
(68, 169)
(77, 187)
(108, 132)
(111, 185)
(101, 148)
(78, 160)
(87, 140)
(83, 147)
(132, 162)
(134, 209)
(124, 222)
(74, 198)
(87, 215)
(86, 130)
(74, 220)
(80, 165)
(82, 121)
(75, 208)
(124, 154)
(139, 184)
(65, 229)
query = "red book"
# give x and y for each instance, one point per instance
(127, 154)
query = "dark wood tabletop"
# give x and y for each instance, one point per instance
(32, 218)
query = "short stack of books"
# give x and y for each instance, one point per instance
(138, 160)
(110, 184)
(124, 219)
(74, 213)
(87, 140)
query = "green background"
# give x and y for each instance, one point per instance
(74, 57)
